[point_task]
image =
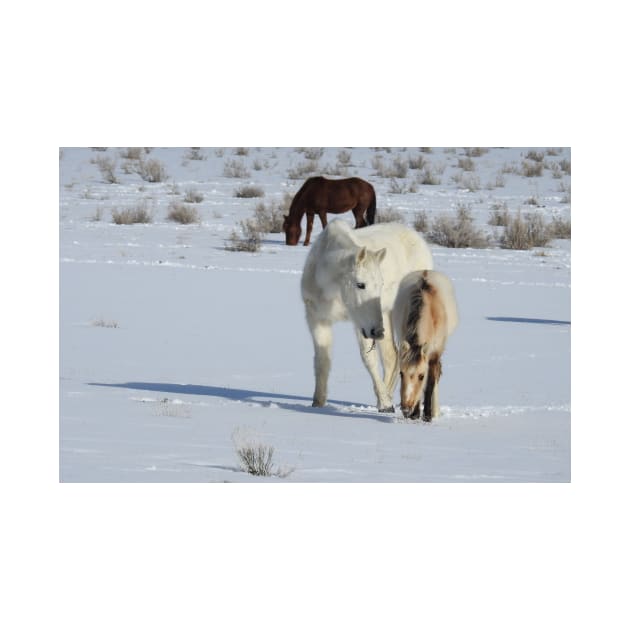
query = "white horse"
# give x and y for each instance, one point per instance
(425, 314)
(354, 274)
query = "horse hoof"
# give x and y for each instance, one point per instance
(386, 410)
(318, 404)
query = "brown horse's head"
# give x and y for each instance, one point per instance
(292, 230)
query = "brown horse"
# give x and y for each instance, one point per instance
(319, 195)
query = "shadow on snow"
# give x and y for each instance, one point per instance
(529, 320)
(249, 395)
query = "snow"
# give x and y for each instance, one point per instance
(205, 342)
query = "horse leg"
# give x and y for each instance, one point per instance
(389, 355)
(322, 344)
(431, 404)
(309, 227)
(370, 360)
(359, 218)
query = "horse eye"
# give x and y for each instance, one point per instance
(360, 285)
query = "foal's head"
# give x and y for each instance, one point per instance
(414, 365)
(292, 230)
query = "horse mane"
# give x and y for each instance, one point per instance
(296, 209)
(417, 304)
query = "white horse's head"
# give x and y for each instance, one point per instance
(361, 292)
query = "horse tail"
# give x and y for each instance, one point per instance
(371, 211)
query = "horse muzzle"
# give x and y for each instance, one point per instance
(378, 332)
(412, 413)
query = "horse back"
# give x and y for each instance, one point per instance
(442, 288)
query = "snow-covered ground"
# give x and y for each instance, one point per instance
(173, 348)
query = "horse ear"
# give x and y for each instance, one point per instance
(405, 346)
(424, 349)
(380, 254)
(361, 254)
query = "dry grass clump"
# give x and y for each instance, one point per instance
(531, 168)
(466, 164)
(499, 216)
(236, 169)
(193, 196)
(249, 191)
(389, 215)
(105, 323)
(475, 151)
(256, 459)
(428, 177)
(525, 231)
(107, 167)
(311, 153)
(182, 213)
(421, 221)
(302, 169)
(457, 231)
(398, 167)
(535, 156)
(128, 216)
(248, 240)
(467, 181)
(560, 228)
(417, 162)
(270, 217)
(401, 186)
(132, 153)
(152, 171)
(194, 153)
(344, 158)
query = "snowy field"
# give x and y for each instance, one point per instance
(172, 348)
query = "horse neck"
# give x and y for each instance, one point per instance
(297, 207)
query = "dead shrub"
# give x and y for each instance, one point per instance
(525, 231)
(152, 171)
(107, 167)
(235, 169)
(457, 231)
(475, 151)
(466, 164)
(302, 169)
(389, 215)
(499, 215)
(248, 191)
(269, 218)
(132, 153)
(560, 228)
(418, 162)
(421, 221)
(531, 169)
(137, 214)
(428, 177)
(194, 153)
(248, 241)
(193, 196)
(182, 213)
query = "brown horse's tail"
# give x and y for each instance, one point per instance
(371, 211)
